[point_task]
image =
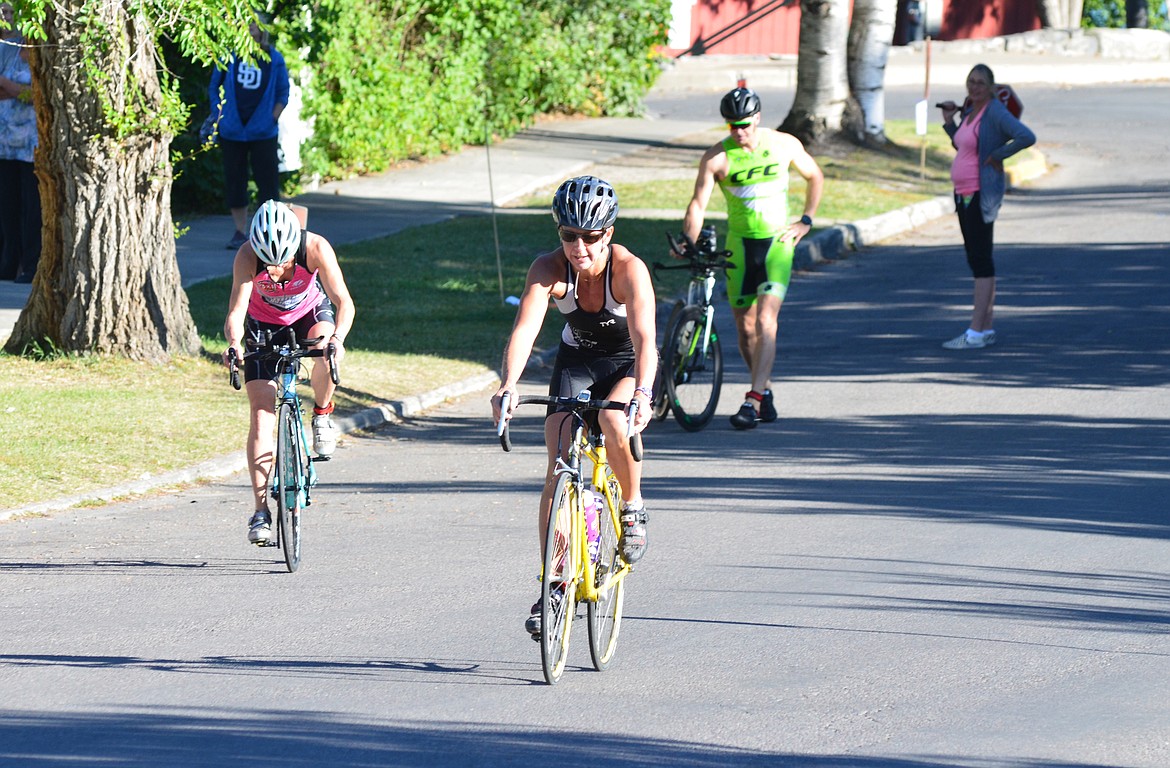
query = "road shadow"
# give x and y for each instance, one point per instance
(217, 737)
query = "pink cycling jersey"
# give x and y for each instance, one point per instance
(284, 303)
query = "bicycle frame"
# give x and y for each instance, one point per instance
(287, 374)
(699, 292)
(592, 448)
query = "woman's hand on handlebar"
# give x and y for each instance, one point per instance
(503, 403)
(233, 349)
(641, 409)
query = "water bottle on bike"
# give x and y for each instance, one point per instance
(592, 504)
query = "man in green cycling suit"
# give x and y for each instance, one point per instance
(751, 168)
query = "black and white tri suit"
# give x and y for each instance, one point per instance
(596, 351)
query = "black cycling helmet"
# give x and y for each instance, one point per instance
(739, 105)
(585, 203)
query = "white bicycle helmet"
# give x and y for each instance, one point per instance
(585, 202)
(275, 233)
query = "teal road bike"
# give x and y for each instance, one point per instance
(292, 476)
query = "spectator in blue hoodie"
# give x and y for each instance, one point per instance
(249, 97)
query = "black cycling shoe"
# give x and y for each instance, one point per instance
(767, 408)
(632, 541)
(532, 623)
(745, 417)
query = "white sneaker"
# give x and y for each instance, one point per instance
(324, 435)
(962, 341)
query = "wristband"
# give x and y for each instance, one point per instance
(649, 393)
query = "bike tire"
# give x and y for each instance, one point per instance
(291, 479)
(605, 614)
(693, 378)
(561, 551)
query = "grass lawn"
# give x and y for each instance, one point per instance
(429, 312)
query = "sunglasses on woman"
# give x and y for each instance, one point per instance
(589, 238)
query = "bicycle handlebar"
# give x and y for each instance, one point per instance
(696, 261)
(575, 404)
(293, 349)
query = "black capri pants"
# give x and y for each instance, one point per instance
(262, 156)
(977, 235)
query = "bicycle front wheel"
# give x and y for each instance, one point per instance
(558, 590)
(290, 481)
(605, 614)
(693, 369)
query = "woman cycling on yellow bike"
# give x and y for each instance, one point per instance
(607, 345)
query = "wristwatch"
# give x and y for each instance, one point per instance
(806, 220)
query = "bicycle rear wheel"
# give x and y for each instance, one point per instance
(291, 477)
(605, 614)
(693, 376)
(558, 590)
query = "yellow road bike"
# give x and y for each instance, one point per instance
(582, 563)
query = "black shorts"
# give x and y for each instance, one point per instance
(575, 370)
(254, 334)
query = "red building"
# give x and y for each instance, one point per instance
(773, 26)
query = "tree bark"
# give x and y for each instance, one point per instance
(871, 32)
(1060, 14)
(822, 87)
(108, 280)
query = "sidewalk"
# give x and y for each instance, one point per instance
(370, 207)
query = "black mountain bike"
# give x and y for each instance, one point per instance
(690, 374)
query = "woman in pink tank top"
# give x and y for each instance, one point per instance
(987, 135)
(284, 277)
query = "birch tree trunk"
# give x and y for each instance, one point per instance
(822, 87)
(108, 280)
(871, 32)
(1060, 14)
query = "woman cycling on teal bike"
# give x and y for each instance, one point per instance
(284, 277)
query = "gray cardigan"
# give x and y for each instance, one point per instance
(1001, 135)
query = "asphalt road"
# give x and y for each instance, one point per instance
(932, 559)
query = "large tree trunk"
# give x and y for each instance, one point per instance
(822, 88)
(108, 279)
(871, 32)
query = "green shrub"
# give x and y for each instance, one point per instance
(397, 79)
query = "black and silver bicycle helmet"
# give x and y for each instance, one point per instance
(739, 105)
(585, 203)
(275, 233)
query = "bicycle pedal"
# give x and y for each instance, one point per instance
(320, 458)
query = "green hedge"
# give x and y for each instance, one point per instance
(397, 79)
